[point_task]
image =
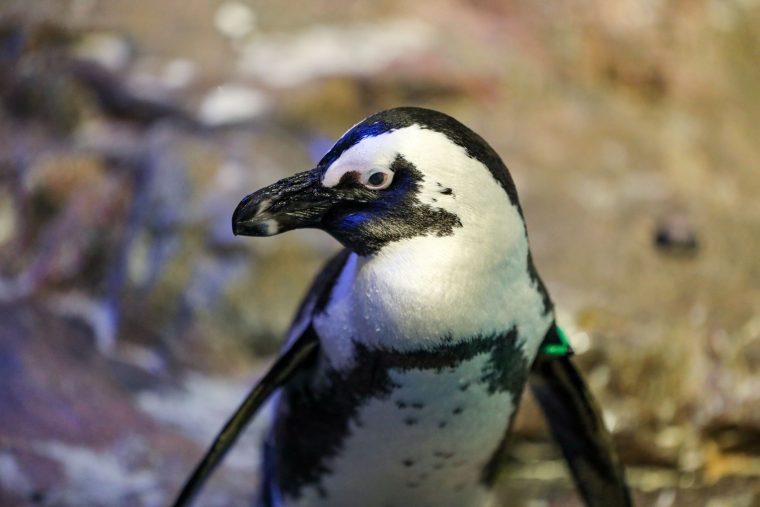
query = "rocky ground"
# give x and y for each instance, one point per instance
(132, 322)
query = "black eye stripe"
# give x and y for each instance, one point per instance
(348, 179)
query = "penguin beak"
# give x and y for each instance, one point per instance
(297, 202)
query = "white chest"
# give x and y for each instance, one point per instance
(442, 293)
(424, 445)
(428, 442)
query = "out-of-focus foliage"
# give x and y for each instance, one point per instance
(131, 320)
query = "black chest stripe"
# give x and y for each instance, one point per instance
(316, 409)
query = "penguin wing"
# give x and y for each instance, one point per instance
(300, 349)
(575, 422)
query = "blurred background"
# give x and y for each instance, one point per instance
(132, 322)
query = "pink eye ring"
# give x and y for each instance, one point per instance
(378, 179)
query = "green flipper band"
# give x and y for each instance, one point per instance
(557, 349)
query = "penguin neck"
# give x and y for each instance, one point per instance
(454, 264)
(425, 292)
(484, 256)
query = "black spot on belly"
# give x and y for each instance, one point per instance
(408, 462)
(412, 484)
(400, 404)
(418, 405)
(464, 386)
(319, 406)
(410, 421)
(447, 191)
(443, 454)
(457, 410)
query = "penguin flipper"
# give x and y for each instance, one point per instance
(575, 422)
(301, 347)
(300, 352)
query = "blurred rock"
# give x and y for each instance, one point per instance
(198, 409)
(101, 478)
(112, 51)
(12, 479)
(234, 19)
(58, 75)
(289, 60)
(8, 217)
(71, 432)
(100, 316)
(231, 104)
(675, 234)
(118, 101)
(31, 91)
(179, 73)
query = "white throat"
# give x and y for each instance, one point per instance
(419, 292)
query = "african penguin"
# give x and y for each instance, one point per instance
(423, 331)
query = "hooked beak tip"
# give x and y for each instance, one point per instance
(244, 215)
(251, 219)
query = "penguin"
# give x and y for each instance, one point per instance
(406, 362)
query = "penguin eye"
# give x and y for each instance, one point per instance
(378, 180)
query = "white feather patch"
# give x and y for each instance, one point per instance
(437, 461)
(416, 292)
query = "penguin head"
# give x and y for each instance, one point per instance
(398, 174)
